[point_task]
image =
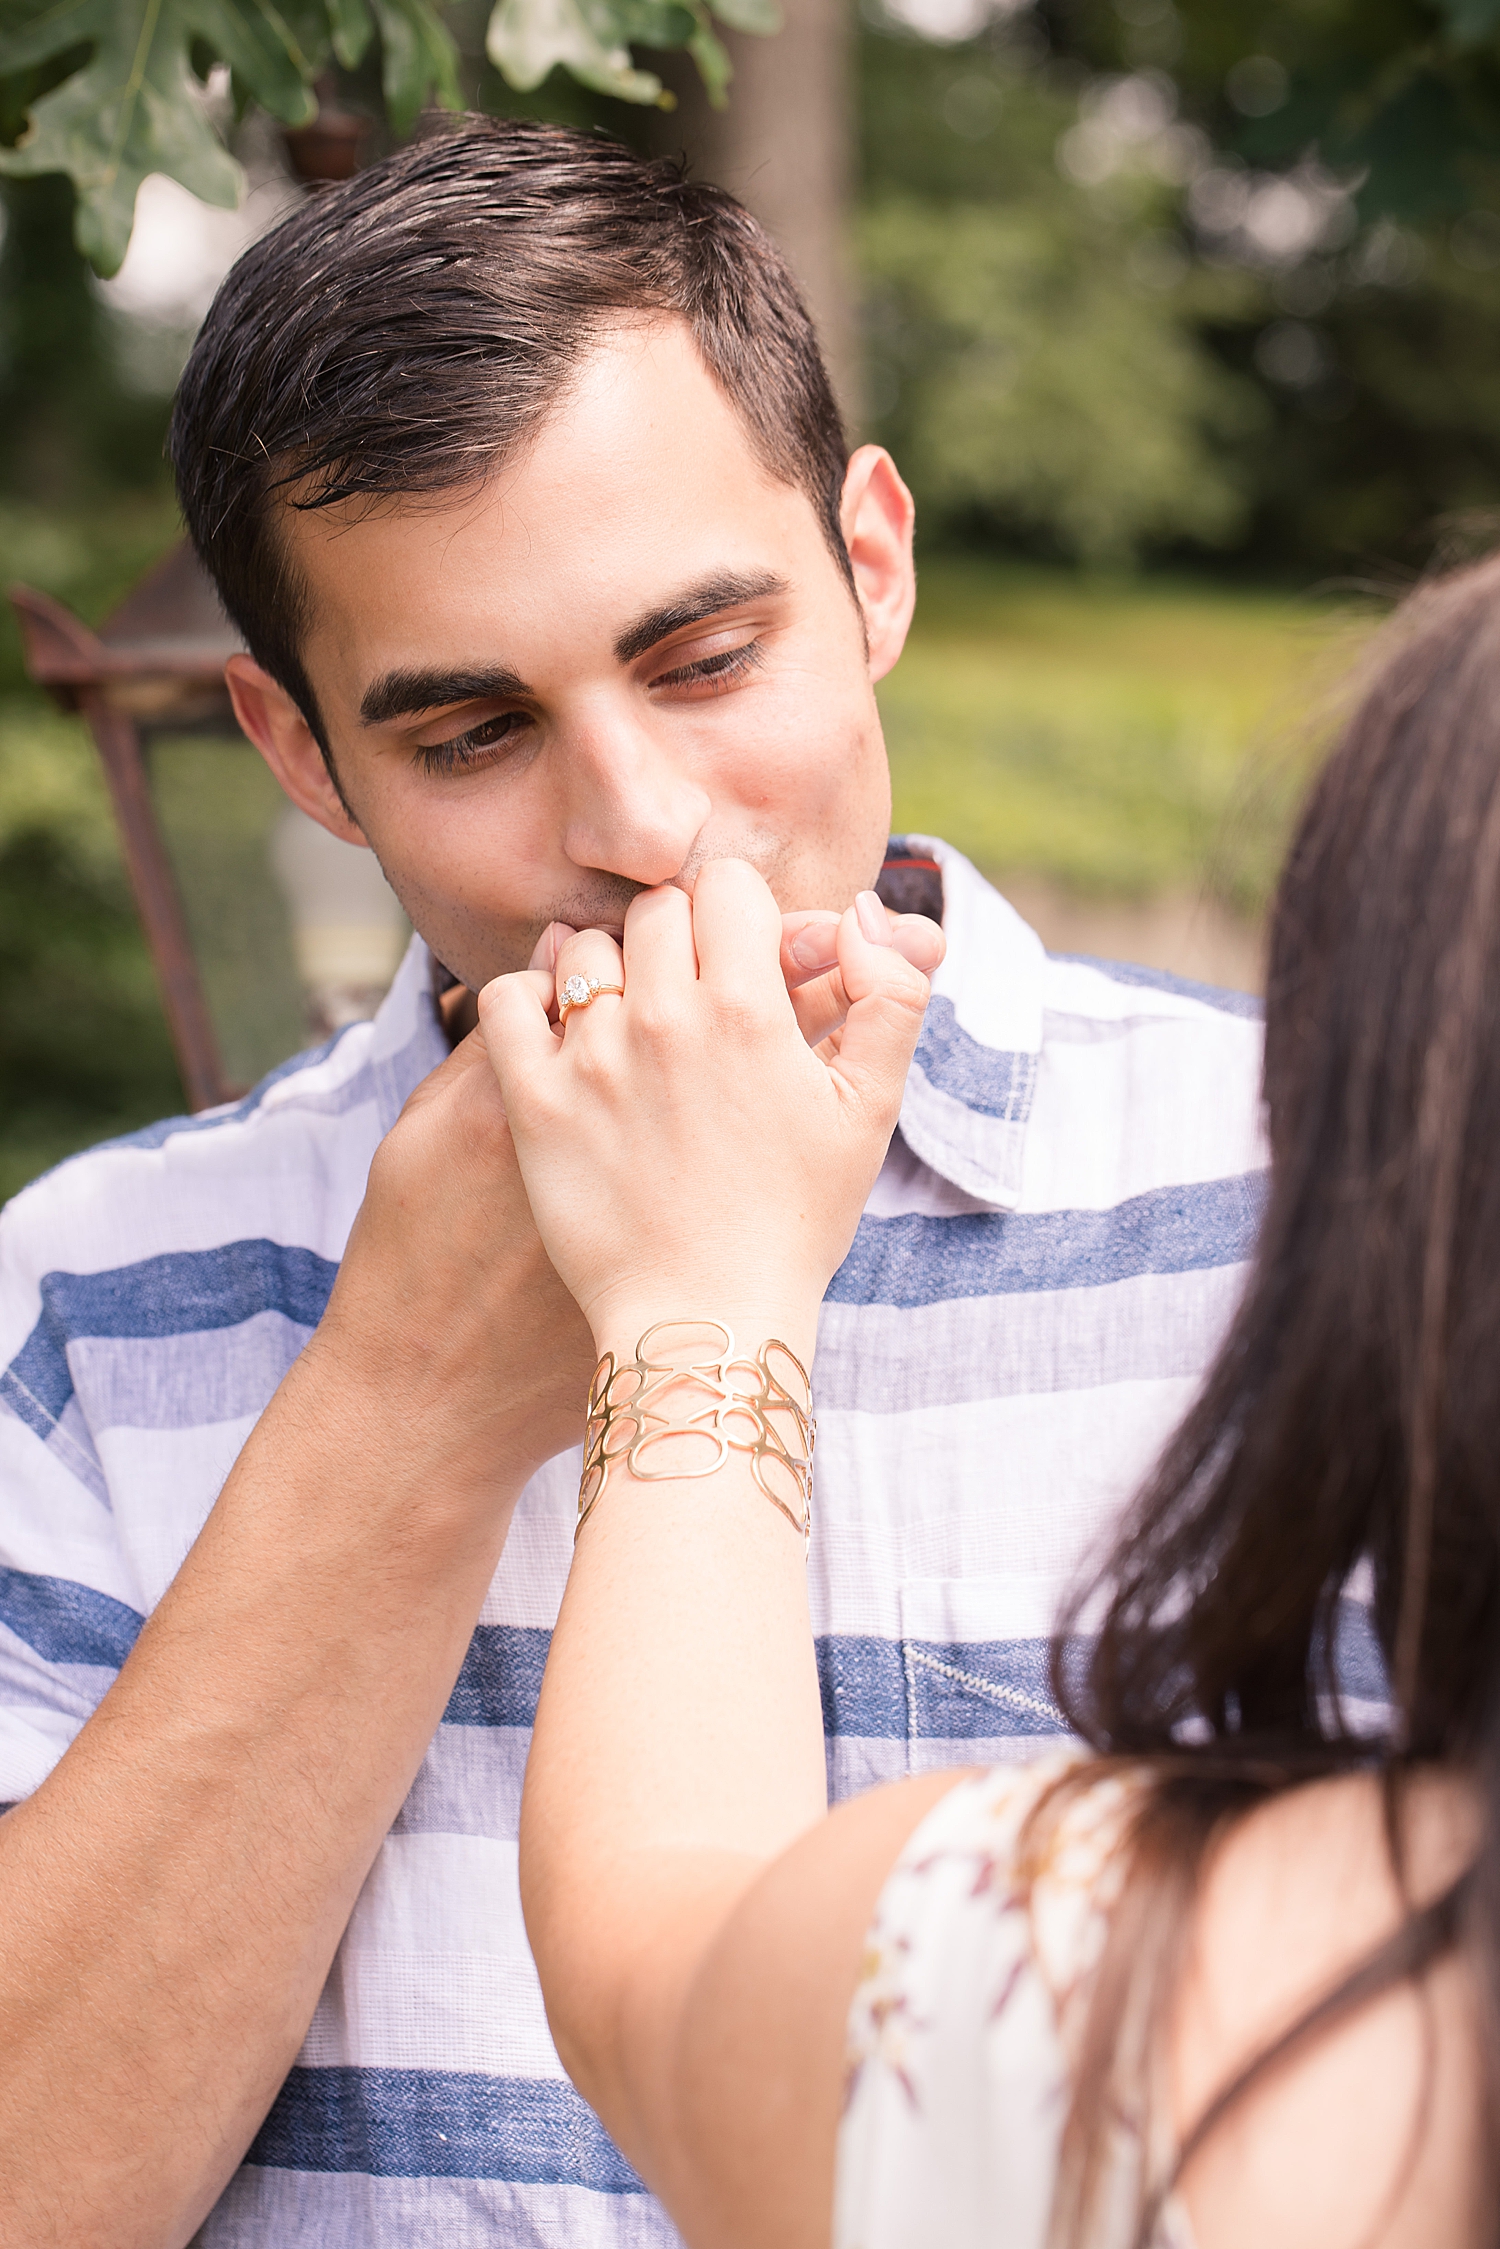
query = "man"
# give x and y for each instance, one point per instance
(516, 465)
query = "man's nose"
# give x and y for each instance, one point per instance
(631, 809)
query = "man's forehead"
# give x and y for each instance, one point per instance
(638, 508)
(640, 434)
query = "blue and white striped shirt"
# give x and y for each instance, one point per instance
(1044, 1268)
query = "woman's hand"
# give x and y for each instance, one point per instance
(809, 963)
(685, 1153)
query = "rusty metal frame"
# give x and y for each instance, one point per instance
(156, 665)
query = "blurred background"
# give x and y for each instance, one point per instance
(1181, 320)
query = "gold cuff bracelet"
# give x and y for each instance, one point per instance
(689, 1400)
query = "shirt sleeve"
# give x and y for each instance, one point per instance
(69, 1611)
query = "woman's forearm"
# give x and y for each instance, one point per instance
(659, 1786)
(688, 1160)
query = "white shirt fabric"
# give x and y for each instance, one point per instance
(1044, 1268)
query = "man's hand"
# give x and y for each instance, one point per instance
(173, 1894)
(445, 1295)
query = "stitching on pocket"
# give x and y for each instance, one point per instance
(994, 1690)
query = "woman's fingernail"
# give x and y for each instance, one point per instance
(810, 952)
(874, 925)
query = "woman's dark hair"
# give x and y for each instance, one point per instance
(406, 331)
(1352, 1416)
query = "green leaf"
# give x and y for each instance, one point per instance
(417, 57)
(763, 17)
(645, 23)
(714, 66)
(274, 51)
(32, 31)
(1470, 22)
(350, 23)
(133, 109)
(527, 39)
(136, 106)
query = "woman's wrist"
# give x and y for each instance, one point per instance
(621, 1328)
(692, 1395)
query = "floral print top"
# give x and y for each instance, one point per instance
(974, 1988)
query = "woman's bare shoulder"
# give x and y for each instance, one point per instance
(1369, 2134)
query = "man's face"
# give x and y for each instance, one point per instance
(630, 651)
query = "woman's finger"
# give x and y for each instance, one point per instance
(820, 1007)
(737, 930)
(888, 998)
(820, 1002)
(919, 941)
(587, 958)
(544, 954)
(809, 952)
(660, 956)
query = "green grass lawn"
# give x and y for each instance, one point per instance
(1121, 740)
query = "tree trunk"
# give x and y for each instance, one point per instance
(784, 146)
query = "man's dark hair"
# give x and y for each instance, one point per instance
(407, 330)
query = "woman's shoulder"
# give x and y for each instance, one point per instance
(978, 1962)
(974, 1992)
(1032, 1848)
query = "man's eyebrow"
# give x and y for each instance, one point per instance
(725, 590)
(408, 694)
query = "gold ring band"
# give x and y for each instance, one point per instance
(582, 991)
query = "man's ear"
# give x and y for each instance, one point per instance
(877, 514)
(284, 739)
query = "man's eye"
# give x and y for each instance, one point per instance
(717, 672)
(466, 749)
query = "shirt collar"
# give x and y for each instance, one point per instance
(407, 1041)
(973, 1076)
(970, 1089)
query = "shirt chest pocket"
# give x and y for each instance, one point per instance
(975, 1655)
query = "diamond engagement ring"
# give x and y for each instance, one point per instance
(582, 991)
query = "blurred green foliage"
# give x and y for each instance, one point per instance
(1390, 455)
(1402, 94)
(1122, 737)
(218, 803)
(1031, 387)
(84, 1051)
(1037, 392)
(69, 424)
(1073, 367)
